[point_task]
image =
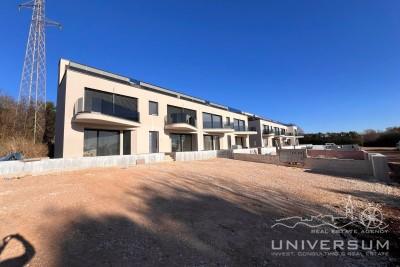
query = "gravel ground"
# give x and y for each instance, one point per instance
(205, 213)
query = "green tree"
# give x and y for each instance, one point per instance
(49, 131)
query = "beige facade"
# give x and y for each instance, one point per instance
(270, 132)
(79, 120)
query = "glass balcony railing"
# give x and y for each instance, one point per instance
(212, 125)
(239, 128)
(209, 125)
(228, 126)
(265, 131)
(107, 108)
(180, 118)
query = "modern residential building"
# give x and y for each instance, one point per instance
(270, 132)
(101, 113)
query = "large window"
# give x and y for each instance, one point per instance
(181, 115)
(181, 142)
(239, 141)
(265, 142)
(239, 125)
(229, 142)
(100, 143)
(111, 104)
(228, 121)
(153, 142)
(127, 142)
(211, 142)
(153, 108)
(211, 121)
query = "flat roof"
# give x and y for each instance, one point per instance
(148, 86)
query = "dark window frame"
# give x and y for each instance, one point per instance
(181, 141)
(214, 142)
(239, 125)
(110, 106)
(126, 149)
(242, 142)
(150, 111)
(218, 125)
(97, 140)
(157, 142)
(181, 115)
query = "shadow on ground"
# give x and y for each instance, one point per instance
(199, 230)
(22, 260)
(191, 222)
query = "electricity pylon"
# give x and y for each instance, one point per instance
(32, 91)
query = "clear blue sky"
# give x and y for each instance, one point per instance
(325, 65)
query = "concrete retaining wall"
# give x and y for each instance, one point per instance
(339, 166)
(268, 150)
(200, 155)
(340, 154)
(292, 155)
(271, 159)
(375, 165)
(379, 166)
(12, 169)
(246, 151)
(210, 154)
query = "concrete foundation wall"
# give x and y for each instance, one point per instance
(375, 165)
(246, 151)
(340, 154)
(268, 150)
(339, 166)
(201, 155)
(271, 159)
(12, 169)
(380, 166)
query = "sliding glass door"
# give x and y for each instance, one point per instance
(239, 141)
(101, 143)
(181, 142)
(211, 142)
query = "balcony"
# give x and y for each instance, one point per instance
(268, 132)
(279, 133)
(217, 128)
(243, 130)
(180, 122)
(107, 114)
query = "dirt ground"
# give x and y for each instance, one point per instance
(205, 213)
